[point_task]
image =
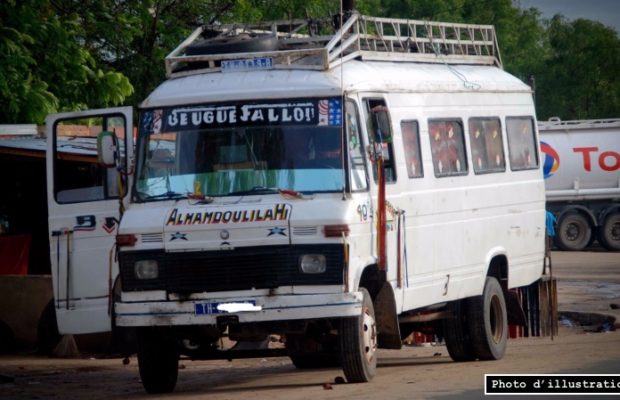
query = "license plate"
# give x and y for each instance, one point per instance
(225, 307)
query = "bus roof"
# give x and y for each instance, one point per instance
(353, 76)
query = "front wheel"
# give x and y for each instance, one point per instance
(488, 322)
(358, 343)
(158, 360)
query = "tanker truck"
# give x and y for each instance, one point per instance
(582, 181)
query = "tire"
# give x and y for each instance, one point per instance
(609, 232)
(358, 343)
(124, 339)
(242, 43)
(307, 353)
(7, 339)
(158, 360)
(48, 336)
(488, 322)
(456, 333)
(574, 232)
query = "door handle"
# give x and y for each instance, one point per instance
(58, 233)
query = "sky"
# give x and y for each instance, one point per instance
(604, 11)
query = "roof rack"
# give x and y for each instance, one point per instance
(555, 123)
(360, 37)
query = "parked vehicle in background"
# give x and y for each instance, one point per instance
(582, 180)
(336, 190)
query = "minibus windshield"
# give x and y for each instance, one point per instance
(237, 149)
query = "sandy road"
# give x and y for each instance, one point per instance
(586, 283)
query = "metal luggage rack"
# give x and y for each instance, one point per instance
(556, 123)
(301, 46)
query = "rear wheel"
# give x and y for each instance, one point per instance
(574, 232)
(358, 343)
(158, 360)
(456, 334)
(488, 322)
(609, 232)
(48, 336)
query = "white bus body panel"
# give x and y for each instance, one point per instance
(454, 226)
(81, 250)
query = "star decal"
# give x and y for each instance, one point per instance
(178, 235)
(277, 231)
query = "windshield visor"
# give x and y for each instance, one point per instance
(220, 150)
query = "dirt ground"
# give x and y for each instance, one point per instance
(587, 282)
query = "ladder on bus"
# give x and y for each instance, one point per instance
(304, 44)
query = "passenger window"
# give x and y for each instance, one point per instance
(447, 147)
(357, 177)
(487, 150)
(380, 137)
(411, 144)
(521, 143)
(78, 177)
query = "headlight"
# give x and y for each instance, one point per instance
(146, 269)
(312, 263)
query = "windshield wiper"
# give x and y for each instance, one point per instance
(288, 193)
(255, 190)
(169, 195)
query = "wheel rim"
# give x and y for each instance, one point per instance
(573, 231)
(614, 231)
(496, 320)
(369, 333)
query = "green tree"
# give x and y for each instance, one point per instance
(44, 66)
(133, 37)
(579, 79)
(60, 55)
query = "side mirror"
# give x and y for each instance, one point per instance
(107, 149)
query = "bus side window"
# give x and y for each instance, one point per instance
(78, 177)
(411, 146)
(521, 143)
(376, 134)
(447, 147)
(487, 149)
(358, 178)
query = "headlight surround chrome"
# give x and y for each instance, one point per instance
(312, 263)
(146, 269)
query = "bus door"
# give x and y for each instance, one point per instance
(388, 229)
(85, 203)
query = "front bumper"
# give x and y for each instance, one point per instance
(267, 308)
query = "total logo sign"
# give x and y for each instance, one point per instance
(551, 161)
(591, 157)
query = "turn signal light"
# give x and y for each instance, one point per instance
(336, 230)
(126, 240)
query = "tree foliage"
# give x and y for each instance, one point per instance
(579, 78)
(60, 55)
(44, 66)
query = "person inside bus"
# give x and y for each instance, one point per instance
(409, 131)
(328, 153)
(476, 136)
(524, 147)
(438, 145)
(495, 149)
(452, 148)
